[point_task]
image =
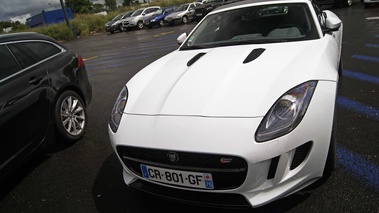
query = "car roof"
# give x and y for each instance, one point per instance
(239, 3)
(24, 36)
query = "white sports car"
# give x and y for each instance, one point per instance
(241, 114)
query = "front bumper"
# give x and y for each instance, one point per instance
(111, 28)
(275, 168)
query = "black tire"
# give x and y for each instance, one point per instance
(347, 3)
(331, 160)
(140, 25)
(120, 28)
(161, 23)
(340, 69)
(70, 117)
(184, 19)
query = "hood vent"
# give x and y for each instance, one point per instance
(195, 58)
(254, 55)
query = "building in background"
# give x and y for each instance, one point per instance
(48, 17)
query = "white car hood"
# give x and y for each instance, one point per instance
(219, 84)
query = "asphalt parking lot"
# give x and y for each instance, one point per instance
(87, 176)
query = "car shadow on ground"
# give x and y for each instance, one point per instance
(33, 161)
(110, 194)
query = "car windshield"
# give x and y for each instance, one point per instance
(137, 13)
(256, 24)
(118, 17)
(158, 12)
(182, 7)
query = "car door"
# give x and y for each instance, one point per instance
(191, 11)
(24, 104)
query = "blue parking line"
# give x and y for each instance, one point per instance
(366, 58)
(355, 106)
(372, 45)
(359, 167)
(361, 76)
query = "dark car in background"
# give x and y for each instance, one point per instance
(157, 19)
(203, 9)
(336, 3)
(116, 23)
(44, 92)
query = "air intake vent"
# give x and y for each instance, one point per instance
(300, 154)
(195, 58)
(253, 55)
(273, 167)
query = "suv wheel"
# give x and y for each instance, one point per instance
(184, 20)
(140, 25)
(70, 117)
(161, 23)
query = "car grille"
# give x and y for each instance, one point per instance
(228, 171)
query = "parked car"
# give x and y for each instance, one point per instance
(228, 119)
(367, 3)
(202, 10)
(157, 19)
(345, 3)
(44, 92)
(116, 23)
(138, 17)
(182, 14)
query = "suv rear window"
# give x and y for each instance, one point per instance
(8, 64)
(42, 50)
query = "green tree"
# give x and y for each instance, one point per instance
(127, 3)
(97, 8)
(79, 6)
(111, 4)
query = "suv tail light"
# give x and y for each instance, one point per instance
(80, 61)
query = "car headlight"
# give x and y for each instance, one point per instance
(118, 109)
(286, 113)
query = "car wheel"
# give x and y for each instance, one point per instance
(140, 25)
(184, 20)
(161, 23)
(120, 28)
(347, 3)
(70, 117)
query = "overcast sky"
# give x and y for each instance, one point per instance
(20, 10)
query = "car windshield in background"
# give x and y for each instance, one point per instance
(137, 13)
(182, 7)
(117, 17)
(258, 24)
(158, 12)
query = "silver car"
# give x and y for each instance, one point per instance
(138, 17)
(182, 14)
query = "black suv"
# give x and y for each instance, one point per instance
(44, 89)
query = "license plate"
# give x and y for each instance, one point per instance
(199, 14)
(176, 177)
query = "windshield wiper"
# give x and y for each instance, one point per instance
(195, 47)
